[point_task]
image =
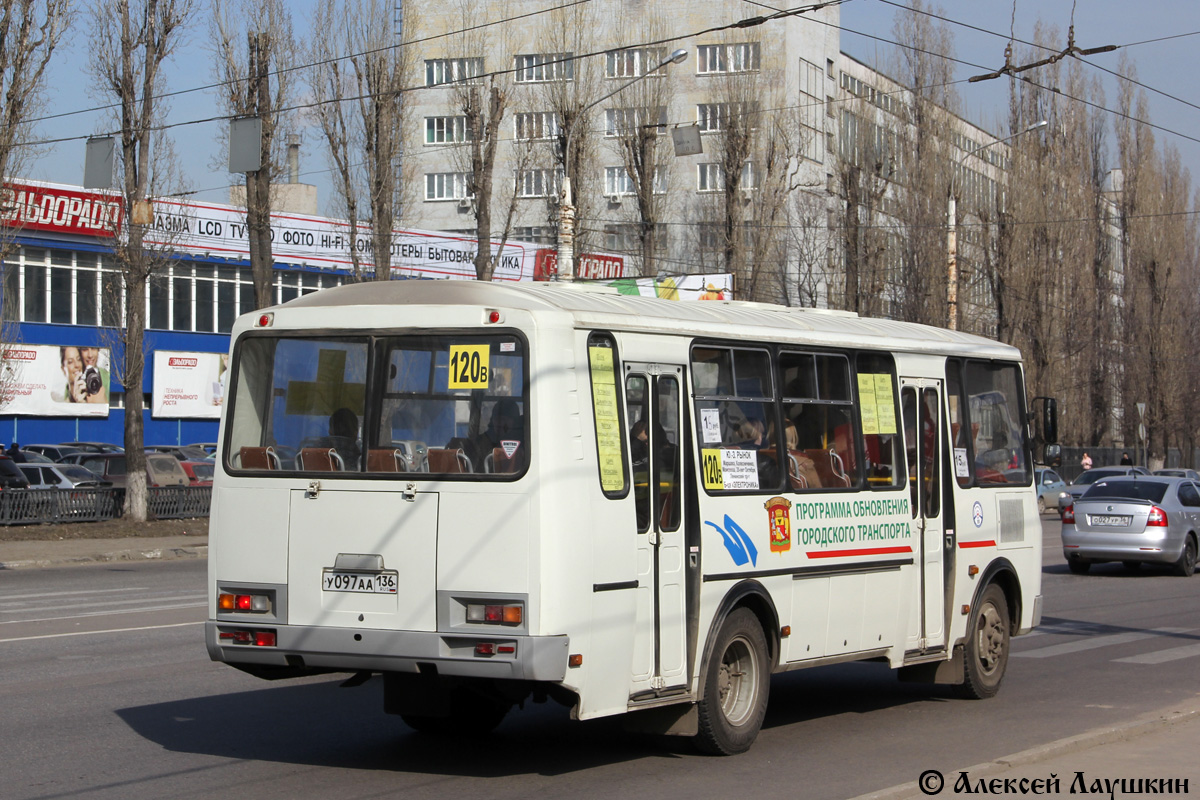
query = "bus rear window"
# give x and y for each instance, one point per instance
(446, 405)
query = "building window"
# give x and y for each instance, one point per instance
(634, 63)
(622, 238)
(627, 121)
(439, 71)
(618, 181)
(446, 186)
(714, 117)
(724, 58)
(535, 234)
(811, 126)
(538, 182)
(545, 67)
(531, 125)
(711, 177)
(447, 130)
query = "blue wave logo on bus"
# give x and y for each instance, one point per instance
(737, 542)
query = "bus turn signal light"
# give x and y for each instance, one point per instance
(495, 614)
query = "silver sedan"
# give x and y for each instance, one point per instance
(1134, 520)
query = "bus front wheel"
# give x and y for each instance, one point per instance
(986, 651)
(737, 681)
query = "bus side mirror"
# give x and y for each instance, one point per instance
(1052, 455)
(1050, 421)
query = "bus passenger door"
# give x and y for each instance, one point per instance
(653, 395)
(921, 402)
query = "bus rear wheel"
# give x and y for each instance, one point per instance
(986, 651)
(737, 681)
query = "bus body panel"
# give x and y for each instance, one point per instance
(846, 571)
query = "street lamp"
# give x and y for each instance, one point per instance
(566, 207)
(952, 227)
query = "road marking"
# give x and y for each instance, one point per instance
(113, 612)
(1163, 656)
(78, 591)
(106, 603)
(91, 633)
(1094, 643)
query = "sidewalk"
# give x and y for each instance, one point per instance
(67, 552)
(1160, 746)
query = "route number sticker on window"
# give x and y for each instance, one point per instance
(729, 469)
(469, 366)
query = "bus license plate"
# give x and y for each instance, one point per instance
(362, 582)
(1109, 521)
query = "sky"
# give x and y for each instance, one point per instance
(1169, 66)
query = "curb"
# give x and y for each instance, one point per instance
(129, 554)
(1139, 726)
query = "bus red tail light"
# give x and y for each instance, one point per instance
(1157, 518)
(495, 614)
(252, 603)
(248, 637)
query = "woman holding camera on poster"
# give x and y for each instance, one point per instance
(86, 382)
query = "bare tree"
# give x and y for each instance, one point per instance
(362, 110)
(29, 34)
(253, 42)
(130, 41)
(926, 69)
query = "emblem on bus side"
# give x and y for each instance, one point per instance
(778, 514)
(977, 514)
(737, 542)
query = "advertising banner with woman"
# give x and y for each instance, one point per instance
(55, 381)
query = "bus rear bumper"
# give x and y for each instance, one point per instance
(531, 658)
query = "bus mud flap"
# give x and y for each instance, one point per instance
(675, 720)
(944, 672)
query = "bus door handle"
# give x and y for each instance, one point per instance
(949, 539)
(314, 489)
(653, 538)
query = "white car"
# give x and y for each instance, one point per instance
(61, 476)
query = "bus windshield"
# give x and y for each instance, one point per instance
(441, 404)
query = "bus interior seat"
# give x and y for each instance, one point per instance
(320, 459)
(386, 460)
(497, 461)
(259, 458)
(797, 467)
(831, 473)
(445, 460)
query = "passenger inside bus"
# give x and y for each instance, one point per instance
(500, 445)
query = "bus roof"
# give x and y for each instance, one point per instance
(594, 306)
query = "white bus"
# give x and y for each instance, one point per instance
(492, 492)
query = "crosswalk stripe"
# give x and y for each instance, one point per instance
(1096, 642)
(1163, 656)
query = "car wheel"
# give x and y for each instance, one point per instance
(1078, 566)
(736, 683)
(1186, 565)
(986, 648)
(1041, 505)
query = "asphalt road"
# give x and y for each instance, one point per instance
(106, 691)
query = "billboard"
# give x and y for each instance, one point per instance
(189, 385)
(54, 208)
(679, 287)
(55, 381)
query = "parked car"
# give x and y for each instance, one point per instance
(1134, 520)
(61, 476)
(1050, 486)
(182, 452)
(1086, 478)
(1190, 474)
(208, 447)
(200, 473)
(11, 476)
(161, 469)
(96, 447)
(54, 452)
(32, 457)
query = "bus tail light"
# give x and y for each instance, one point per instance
(247, 637)
(495, 614)
(251, 603)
